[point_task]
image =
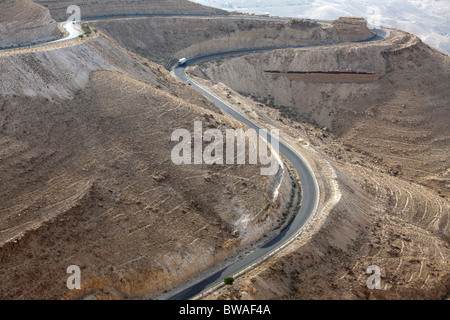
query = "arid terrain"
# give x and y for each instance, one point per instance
(87, 178)
(25, 22)
(386, 141)
(91, 8)
(163, 38)
(388, 99)
(369, 216)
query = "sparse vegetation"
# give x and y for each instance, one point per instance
(137, 202)
(86, 28)
(228, 281)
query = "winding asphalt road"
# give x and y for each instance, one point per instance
(310, 188)
(310, 197)
(72, 30)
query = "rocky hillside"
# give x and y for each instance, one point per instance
(351, 29)
(25, 22)
(379, 220)
(160, 38)
(368, 216)
(91, 8)
(88, 180)
(388, 99)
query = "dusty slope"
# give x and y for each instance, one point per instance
(380, 134)
(388, 99)
(91, 8)
(87, 178)
(85, 185)
(25, 22)
(367, 217)
(161, 39)
(380, 220)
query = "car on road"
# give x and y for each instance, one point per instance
(182, 61)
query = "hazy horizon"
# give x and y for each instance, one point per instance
(428, 19)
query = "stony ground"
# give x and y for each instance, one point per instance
(398, 117)
(88, 180)
(369, 216)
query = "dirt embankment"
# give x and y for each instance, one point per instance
(25, 22)
(161, 39)
(88, 180)
(399, 117)
(327, 77)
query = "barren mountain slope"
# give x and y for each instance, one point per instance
(162, 38)
(388, 99)
(87, 178)
(367, 217)
(25, 22)
(91, 8)
(381, 221)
